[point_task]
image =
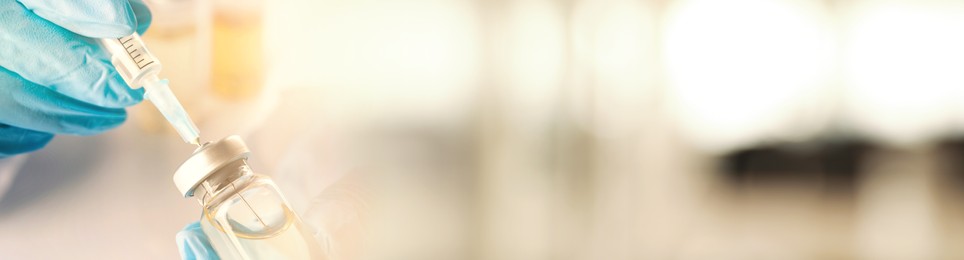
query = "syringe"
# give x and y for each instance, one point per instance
(139, 68)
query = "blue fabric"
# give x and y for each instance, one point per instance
(54, 78)
(193, 244)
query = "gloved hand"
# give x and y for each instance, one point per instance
(194, 245)
(55, 79)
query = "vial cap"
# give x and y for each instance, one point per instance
(206, 160)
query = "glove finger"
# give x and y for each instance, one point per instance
(143, 15)
(194, 244)
(91, 18)
(15, 140)
(50, 56)
(30, 106)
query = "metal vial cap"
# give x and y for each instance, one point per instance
(206, 160)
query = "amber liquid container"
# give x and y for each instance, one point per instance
(238, 67)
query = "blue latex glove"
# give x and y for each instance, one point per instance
(193, 243)
(55, 79)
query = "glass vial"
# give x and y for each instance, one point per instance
(244, 215)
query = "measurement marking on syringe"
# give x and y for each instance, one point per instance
(135, 52)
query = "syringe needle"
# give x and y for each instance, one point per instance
(165, 101)
(140, 69)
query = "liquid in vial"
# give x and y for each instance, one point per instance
(288, 241)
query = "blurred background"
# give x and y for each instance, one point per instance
(542, 129)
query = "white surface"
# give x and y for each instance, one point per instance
(103, 197)
(9, 167)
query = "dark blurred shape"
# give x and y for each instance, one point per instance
(832, 165)
(952, 151)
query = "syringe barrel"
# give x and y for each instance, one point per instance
(132, 59)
